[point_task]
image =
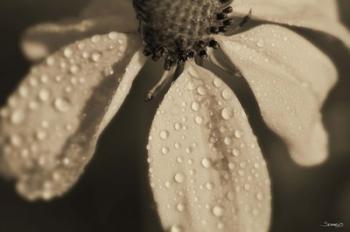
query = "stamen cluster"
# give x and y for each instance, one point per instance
(178, 30)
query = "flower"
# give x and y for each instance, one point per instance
(206, 168)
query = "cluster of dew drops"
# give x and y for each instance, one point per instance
(49, 104)
(186, 154)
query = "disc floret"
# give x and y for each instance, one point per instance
(178, 30)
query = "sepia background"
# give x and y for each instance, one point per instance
(113, 194)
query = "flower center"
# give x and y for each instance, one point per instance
(181, 29)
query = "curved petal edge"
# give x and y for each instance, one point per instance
(290, 79)
(51, 123)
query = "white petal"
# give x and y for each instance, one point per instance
(319, 15)
(290, 78)
(44, 39)
(206, 168)
(50, 126)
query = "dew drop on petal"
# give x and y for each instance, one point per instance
(260, 196)
(195, 106)
(176, 228)
(235, 152)
(198, 120)
(206, 163)
(226, 113)
(201, 91)
(164, 134)
(17, 117)
(180, 207)
(177, 126)
(179, 177)
(226, 94)
(217, 82)
(165, 150)
(218, 211)
(44, 95)
(238, 134)
(62, 104)
(96, 56)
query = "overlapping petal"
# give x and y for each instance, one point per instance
(99, 17)
(206, 168)
(50, 126)
(44, 39)
(321, 15)
(290, 78)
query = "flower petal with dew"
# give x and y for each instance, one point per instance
(51, 124)
(290, 86)
(206, 169)
(43, 39)
(318, 15)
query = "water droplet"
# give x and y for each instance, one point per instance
(62, 104)
(259, 196)
(209, 186)
(68, 53)
(17, 117)
(220, 225)
(167, 184)
(195, 106)
(165, 150)
(180, 207)
(226, 94)
(235, 152)
(201, 90)
(217, 82)
(218, 211)
(113, 35)
(177, 126)
(40, 135)
(96, 56)
(206, 163)
(175, 228)
(226, 113)
(227, 140)
(23, 91)
(198, 120)
(164, 134)
(231, 166)
(179, 159)
(96, 38)
(44, 95)
(179, 177)
(188, 150)
(74, 69)
(15, 140)
(238, 134)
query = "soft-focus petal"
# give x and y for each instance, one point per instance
(122, 8)
(290, 78)
(321, 15)
(44, 39)
(50, 126)
(206, 168)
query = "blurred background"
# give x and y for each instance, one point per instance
(113, 194)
